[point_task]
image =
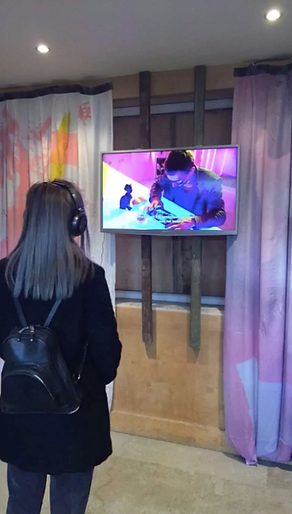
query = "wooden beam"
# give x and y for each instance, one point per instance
(196, 267)
(147, 314)
(144, 101)
(199, 104)
(196, 295)
(176, 241)
(146, 241)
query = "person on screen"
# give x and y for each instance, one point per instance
(195, 189)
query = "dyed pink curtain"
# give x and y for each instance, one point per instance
(258, 312)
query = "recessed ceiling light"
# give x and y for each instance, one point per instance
(43, 49)
(273, 15)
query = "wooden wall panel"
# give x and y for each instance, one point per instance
(172, 82)
(160, 131)
(128, 263)
(126, 133)
(217, 130)
(164, 83)
(184, 129)
(213, 266)
(126, 136)
(162, 264)
(218, 127)
(166, 391)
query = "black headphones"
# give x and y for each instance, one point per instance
(78, 220)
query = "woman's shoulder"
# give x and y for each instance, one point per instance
(94, 282)
(96, 274)
(96, 271)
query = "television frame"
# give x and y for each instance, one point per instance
(172, 233)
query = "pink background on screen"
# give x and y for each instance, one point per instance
(141, 166)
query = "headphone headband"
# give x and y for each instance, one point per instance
(78, 220)
(69, 189)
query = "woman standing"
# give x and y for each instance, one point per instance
(48, 266)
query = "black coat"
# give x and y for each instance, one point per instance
(56, 444)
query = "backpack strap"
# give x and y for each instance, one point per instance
(21, 316)
(52, 313)
(19, 311)
(77, 376)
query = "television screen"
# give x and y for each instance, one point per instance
(174, 192)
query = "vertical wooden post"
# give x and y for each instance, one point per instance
(145, 116)
(146, 241)
(176, 240)
(199, 114)
(199, 118)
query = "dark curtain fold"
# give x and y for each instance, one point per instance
(56, 90)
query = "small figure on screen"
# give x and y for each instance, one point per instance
(125, 201)
(195, 189)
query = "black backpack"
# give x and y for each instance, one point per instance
(35, 377)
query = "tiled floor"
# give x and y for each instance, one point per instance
(153, 477)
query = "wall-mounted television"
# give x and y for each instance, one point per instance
(191, 191)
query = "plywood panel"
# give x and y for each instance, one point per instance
(161, 131)
(179, 82)
(221, 77)
(218, 126)
(162, 264)
(185, 130)
(217, 130)
(125, 87)
(126, 133)
(213, 266)
(172, 82)
(128, 263)
(166, 83)
(166, 391)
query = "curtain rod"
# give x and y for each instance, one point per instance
(272, 59)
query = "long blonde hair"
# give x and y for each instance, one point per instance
(47, 262)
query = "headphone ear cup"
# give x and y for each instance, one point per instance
(78, 223)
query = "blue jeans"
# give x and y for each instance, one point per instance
(68, 493)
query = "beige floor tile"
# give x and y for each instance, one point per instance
(155, 477)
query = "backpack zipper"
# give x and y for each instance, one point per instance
(31, 331)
